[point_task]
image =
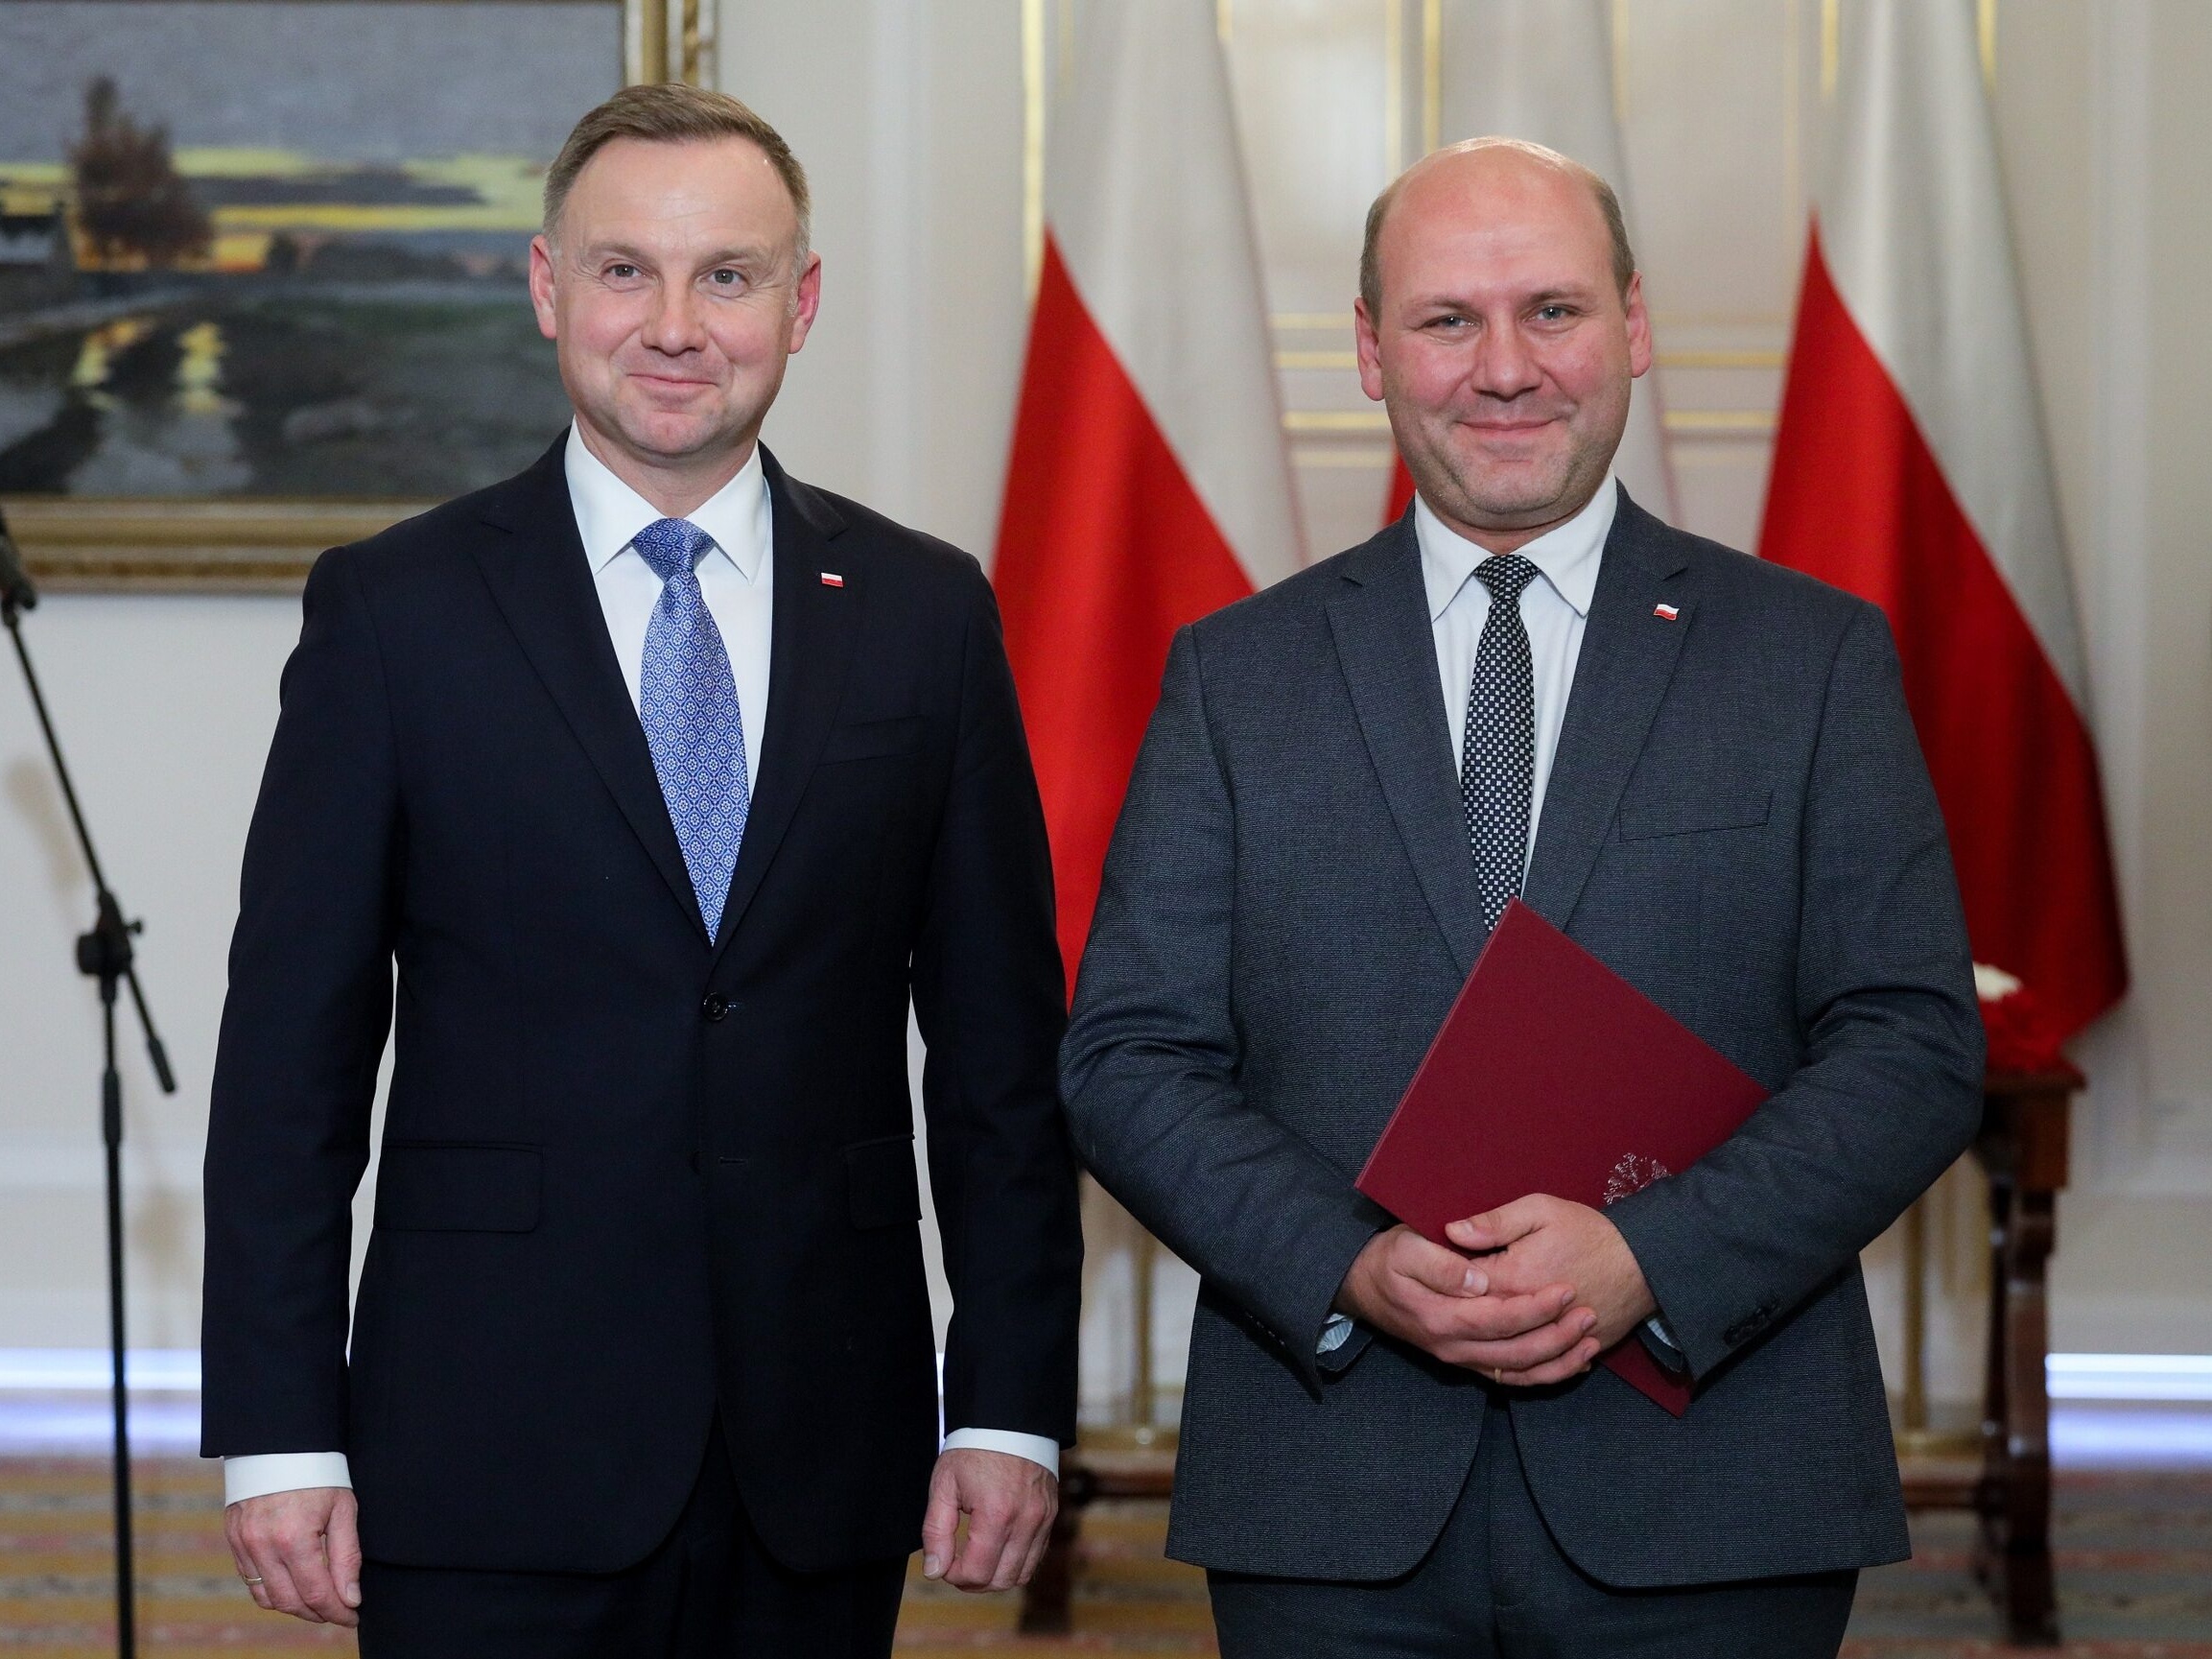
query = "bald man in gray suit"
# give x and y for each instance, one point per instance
(1703, 768)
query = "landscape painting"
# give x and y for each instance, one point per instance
(258, 251)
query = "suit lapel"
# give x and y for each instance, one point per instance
(809, 655)
(1387, 649)
(1628, 658)
(542, 583)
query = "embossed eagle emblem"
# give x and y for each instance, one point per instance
(1633, 1174)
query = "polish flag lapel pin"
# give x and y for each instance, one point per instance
(831, 578)
(1664, 612)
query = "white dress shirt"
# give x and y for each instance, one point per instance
(737, 576)
(1554, 609)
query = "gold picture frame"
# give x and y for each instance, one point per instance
(252, 543)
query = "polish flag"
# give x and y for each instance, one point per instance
(1543, 70)
(1149, 483)
(1910, 468)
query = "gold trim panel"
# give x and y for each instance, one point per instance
(1431, 75)
(1394, 88)
(661, 44)
(1033, 142)
(1363, 459)
(250, 546)
(1721, 359)
(1333, 420)
(1719, 422)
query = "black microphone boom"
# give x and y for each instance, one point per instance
(104, 954)
(16, 592)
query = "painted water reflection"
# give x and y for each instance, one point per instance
(420, 390)
(280, 249)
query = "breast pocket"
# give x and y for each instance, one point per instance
(1649, 818)
(459, 1187)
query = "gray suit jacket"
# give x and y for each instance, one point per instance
(1739, 822)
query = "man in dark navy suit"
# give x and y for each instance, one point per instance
(665, 782)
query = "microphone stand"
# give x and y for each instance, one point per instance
(104, 954)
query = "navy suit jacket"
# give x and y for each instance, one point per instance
(631, 1173)
(1739, 822)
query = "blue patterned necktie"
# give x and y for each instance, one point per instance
(688, 700)
(1498, 756)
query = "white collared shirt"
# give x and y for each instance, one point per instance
(1555, 608)
(737, 576)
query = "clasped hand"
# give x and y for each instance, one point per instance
(1533, 1294)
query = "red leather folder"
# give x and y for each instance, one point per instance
(1553, 1074)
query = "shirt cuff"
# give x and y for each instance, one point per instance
(271, 1472)
(1335, 1334)
(1663, 1334)
(1035, 1447)
(267, 1472)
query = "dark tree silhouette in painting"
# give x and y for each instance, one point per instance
(131, 203)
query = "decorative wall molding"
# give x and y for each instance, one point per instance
(74, 546)
(2121, 1125)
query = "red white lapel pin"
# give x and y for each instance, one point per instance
(1664, 612)
(831, 578)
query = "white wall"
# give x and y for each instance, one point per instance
(909, 118)
(165, 706)
(2125, 345)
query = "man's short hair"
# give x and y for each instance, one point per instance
(1608, 205)
(669, 113)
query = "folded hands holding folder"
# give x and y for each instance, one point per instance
(1529, 1293)
(1553, 1089)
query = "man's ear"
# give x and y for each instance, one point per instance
(805, 301)
(541, 286)
(1367, 345)
(1638, 328)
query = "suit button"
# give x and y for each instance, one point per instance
(1748, 1327)
(714, 1006)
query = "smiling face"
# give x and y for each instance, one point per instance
(673, 291)
(1502, 347)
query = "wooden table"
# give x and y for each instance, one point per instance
(1089, 1471)
(2022, 1150)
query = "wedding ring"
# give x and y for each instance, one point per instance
(249, 1579)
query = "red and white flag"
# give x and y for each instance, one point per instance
(1543, 70)
(1910, 468)
(1149, 483)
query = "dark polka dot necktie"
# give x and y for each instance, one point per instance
(1497, 755)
